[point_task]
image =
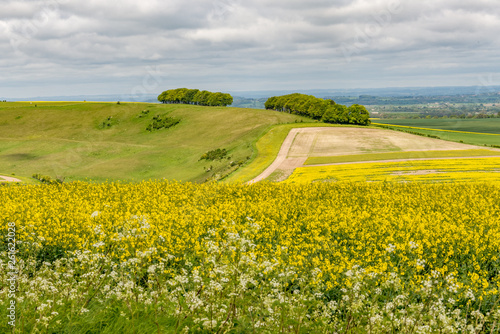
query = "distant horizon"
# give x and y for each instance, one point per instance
(385, 91)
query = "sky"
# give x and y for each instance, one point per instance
(139, 47)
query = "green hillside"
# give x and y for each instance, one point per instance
(109, 141)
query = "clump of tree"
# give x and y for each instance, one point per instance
(162, 122)
(217, 154)
(196, 97)
(325, 110)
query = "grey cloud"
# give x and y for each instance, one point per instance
(237, 45)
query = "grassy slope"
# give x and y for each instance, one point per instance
(65, 139)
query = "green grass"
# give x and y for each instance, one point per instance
(400, 155)
(481, 125)
(68, 140)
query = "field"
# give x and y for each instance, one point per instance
(397, 233)
(348, 141)
(324, 145)
(109, 141)
(412, 155)
(470, 131)
(162, 257)
(428, 170)
(481, 125)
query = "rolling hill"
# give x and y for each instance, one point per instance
(109, 141)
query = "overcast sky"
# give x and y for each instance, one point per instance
(73, 47)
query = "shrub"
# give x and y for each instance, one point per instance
(162, 122)
(47, 179)
(217, 154)
(109, 122)
(143, 113)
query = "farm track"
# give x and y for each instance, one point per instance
(287, 164)
(8, 179)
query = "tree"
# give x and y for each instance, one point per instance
(358, 115)
(194, 96)
(316, 108)
(330, 116)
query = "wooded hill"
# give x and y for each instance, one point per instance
(325, 110)
(196, 97)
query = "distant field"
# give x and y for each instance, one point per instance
(457, 130)
(456, 170)
(485, 125)
(108, 141)
(459, 137)
(399, 155)
(315, 145)
(347, 141)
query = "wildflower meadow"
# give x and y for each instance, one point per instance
(169, 257)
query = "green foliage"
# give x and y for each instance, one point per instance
(325, 110)
(143, 113)
(162, 122)
(47, 179)
(357, 114)
(195, 96)
(109, 122)
(217, 154)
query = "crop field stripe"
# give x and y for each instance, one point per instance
(434, 129)
(400, 155)
(430, 170)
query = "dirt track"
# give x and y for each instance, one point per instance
(302, 143)
(8, 179)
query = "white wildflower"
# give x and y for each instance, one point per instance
(421, 263)
(98, 244)
(413, 245)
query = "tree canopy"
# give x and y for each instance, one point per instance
(325, 110)
(195, 96)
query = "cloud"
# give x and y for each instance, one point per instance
(244, 45)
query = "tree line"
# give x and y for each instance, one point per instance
(195, 96)
(325, 110)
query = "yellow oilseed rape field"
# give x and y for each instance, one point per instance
(164, 257)
(432, 170)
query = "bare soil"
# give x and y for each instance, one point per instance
(302, 143)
